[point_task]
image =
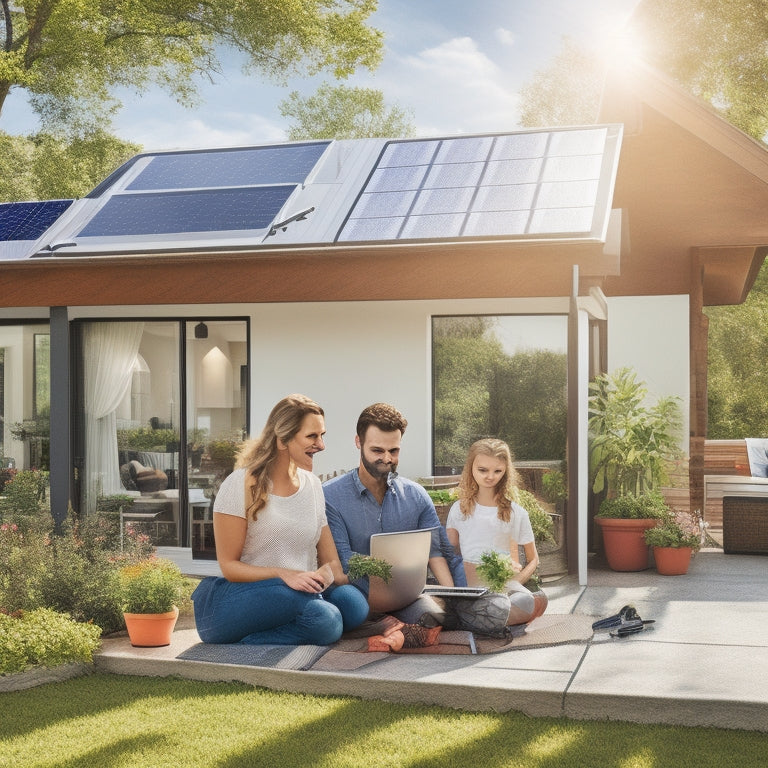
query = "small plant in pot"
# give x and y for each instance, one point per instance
(151, 592)
(673, 546)
(624, 521)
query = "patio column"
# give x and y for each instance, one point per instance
(60, 436)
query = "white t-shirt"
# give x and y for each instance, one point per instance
(286, 530)
(482, 531)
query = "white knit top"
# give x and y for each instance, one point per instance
(287, 529)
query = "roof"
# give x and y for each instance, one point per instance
(554, 184)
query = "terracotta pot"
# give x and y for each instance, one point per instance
(150, 630)
(625, 547)
(672, 561)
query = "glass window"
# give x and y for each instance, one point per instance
(499, 376)
(24, 398)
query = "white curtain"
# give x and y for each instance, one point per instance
(109, 354)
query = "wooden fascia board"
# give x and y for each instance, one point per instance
(433, 271)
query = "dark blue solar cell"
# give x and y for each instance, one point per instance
(164, 213)
(27, 221)
(283, 164)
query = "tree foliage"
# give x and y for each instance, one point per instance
(71, 53)
(481, 391)
(45, 167)
(343, 112)
(566, 92)
(716, 50)
(736, 382)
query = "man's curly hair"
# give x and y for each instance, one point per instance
(382, 415)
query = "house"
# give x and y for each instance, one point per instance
(191, 290)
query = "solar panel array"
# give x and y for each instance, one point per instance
(523, 184)
(204, 191)
(27, 221)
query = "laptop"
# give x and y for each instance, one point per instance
(408, 554)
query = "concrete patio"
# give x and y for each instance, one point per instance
(704, 662)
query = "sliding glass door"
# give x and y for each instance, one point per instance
(161, 402)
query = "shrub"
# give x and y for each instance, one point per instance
(541, 521)
(441, 497)
(154, 585)
(630, 507)
(43, 637)
(73, 572)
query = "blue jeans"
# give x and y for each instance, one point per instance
(269, 612)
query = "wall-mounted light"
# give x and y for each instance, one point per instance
(201, 331)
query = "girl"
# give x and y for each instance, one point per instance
(273, 544)
(485, 518)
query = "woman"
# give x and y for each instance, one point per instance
(282, 579)
(485, 518)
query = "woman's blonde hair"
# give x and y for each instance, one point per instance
(506, 489)
(258, 456)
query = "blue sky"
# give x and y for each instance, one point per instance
(458, 65)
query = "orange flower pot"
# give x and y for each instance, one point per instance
(150, 630)
(624, 542)
(672, 561)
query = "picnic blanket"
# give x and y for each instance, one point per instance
(351, 652)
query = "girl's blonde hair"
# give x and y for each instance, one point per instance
(258, 456)
(506, 489)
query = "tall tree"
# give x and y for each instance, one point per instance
(714, 49)
(66, 53)
(566, 92)
(343, 112)
(736, 382)
(46, 167)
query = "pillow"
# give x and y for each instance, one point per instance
(151, 480)
(127, 478)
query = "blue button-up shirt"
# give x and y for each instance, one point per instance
(354, 514)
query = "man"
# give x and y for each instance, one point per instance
(374, 499)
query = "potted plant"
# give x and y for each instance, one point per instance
(632, 445)
(151, 591)
(624, 521)
(673, 546)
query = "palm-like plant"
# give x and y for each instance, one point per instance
(631, 444)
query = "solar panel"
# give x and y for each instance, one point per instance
(165, 213)
(286, 164)
(27, 221)
(526, 184)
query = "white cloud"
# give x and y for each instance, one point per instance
(505, 36)
(452, 88)
(231, 130)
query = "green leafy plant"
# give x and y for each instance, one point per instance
(495, 570)
(648, 505)
(146, 439)
(223, 451)
(441, 496)
(554, 486)
(631, 445)
(541, 521)
(43, 637)
(154, 585)
(365, 565)
(671, 534)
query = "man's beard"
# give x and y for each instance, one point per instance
(376, 469)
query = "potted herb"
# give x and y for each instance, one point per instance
(673, 546)
(151, 591)
(624, 521)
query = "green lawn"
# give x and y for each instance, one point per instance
(112, 721)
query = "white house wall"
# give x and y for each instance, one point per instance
(651, 335)
(348, 355)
